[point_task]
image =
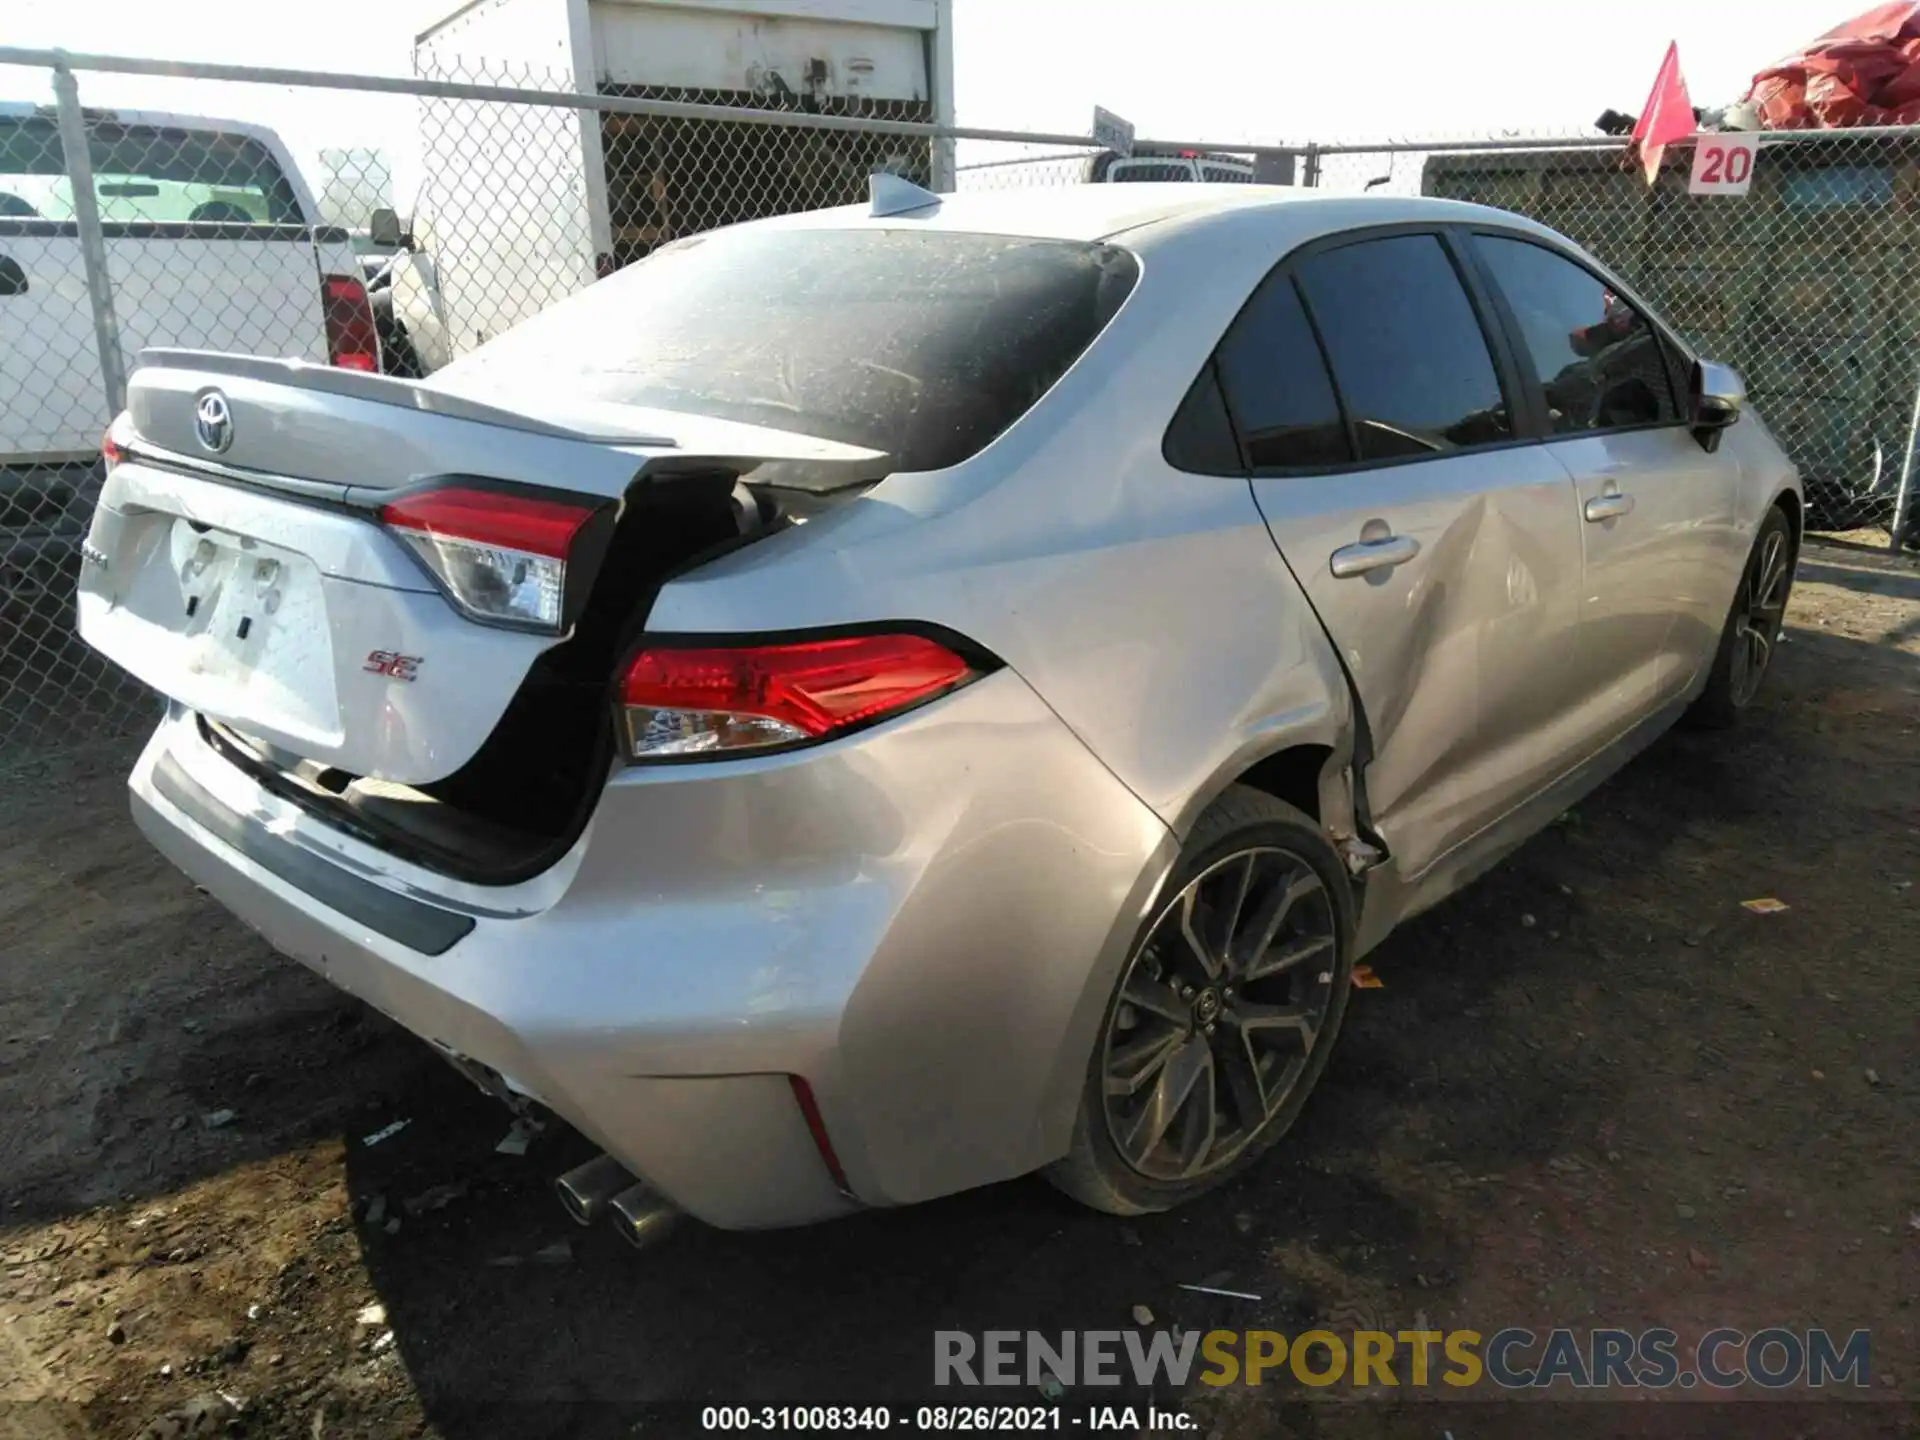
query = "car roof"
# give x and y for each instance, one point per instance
(1091, 212)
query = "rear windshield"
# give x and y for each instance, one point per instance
(146, 173)
(923, 344)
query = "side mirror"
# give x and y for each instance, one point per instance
(1719, 395)
(383, 228)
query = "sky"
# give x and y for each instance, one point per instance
(1246, 71)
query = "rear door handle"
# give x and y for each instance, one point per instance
(1609, 506)
(1370, 555)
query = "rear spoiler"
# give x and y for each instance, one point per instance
(378, 389)
(624, 444)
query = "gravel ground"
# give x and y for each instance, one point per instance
(1592, 1090)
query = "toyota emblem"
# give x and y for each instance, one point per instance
(213, 422)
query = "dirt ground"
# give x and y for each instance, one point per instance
(1593, 1090)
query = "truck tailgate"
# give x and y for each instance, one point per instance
(257, 293)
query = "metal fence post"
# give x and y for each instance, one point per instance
(93, 242)
(1896, 528)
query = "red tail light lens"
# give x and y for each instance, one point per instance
(110, 450)
(352, 343)
(728, 700)
(500, 557)
(817, 1127)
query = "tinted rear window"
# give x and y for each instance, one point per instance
(923, 344)
(146, 173)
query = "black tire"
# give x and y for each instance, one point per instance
(1752, 631)
(1291, 917)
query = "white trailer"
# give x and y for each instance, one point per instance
(522, 205)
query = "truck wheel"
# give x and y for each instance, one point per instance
(1223, 1016)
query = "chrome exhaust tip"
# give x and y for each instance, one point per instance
(585, 1190)
(643, 1216)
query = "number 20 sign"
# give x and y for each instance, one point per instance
(1723, 164)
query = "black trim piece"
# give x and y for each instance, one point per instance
(179, 230)
(323, 494)
(1527, 420)
(980, 660)
(1532, 390)
(1392, 462)
(1333, 382)
(422, 928)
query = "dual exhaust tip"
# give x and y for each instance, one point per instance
(602, 1186)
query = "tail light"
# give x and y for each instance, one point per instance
(111, 451)
(735, 699)
(352, 343)
(500, 557)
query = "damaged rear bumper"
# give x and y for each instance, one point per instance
(923, 922)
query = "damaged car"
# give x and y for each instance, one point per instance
(869, 703)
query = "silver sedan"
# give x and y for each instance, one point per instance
(870, 703)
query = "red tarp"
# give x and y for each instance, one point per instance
(1865, 72)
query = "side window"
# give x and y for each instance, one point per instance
(1276, 384)
(1602, 366)
(1201, 440)
(1406, 347)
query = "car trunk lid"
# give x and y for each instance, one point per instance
(237, 562)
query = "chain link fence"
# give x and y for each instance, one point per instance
(122, 231)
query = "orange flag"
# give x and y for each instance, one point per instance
(1668, 115)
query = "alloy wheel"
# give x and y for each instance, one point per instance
(1220, 1012)
(1763, 606)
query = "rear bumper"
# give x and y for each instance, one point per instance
(923, 921)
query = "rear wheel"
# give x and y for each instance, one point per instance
(1223, 1016)
(1753, 627)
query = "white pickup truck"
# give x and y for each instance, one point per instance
(212, 243)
